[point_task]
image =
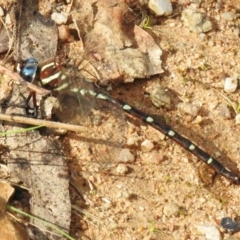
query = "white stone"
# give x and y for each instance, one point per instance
(160, 7)
(126, 156)
(8, 19)
(195, 21)
(237, 118)
(132, 141)
(147, 146)
(210, 232)
(59, 18)
(171, 209)
(202, 36)
(121, 169)
(230, 85)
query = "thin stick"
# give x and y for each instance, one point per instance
(21, 81)
(44, 123)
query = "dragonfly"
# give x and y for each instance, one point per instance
(79, 104)
(51, 76)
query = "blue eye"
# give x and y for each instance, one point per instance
(29, 69)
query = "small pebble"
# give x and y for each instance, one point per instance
(47, 105)
(210, 232)
(223, 111)
(59, 18)
(141, 208)
(195, 21)
(111, 226)
(202, 36)
(64, 34)
(160, 7)
(189, 108)
(8, 19)
(1, 12)
(126, 156)
(147, 146)
(237, 118)
(132, 141)
(171, 209)
(83, 224)
(153, 157)
(106, 200)
(106, 206)
(121, 169)
(228, 16)
(230, 85)
(198, 120)
(160, 97)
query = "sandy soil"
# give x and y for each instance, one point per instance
(167, 192)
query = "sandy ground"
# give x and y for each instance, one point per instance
(166, 193)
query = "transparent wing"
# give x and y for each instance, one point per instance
(104, 120)
(107, 130)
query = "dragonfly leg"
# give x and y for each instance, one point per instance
(34, 113)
